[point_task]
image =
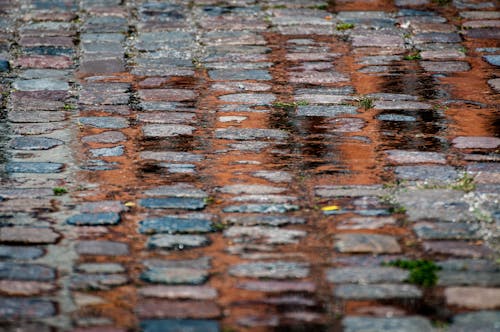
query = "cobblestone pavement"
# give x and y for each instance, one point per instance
(247, 165)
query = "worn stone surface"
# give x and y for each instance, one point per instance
(94, 219)
(273, 270)
(186, 203)
(366, 243)
(179, 242)
(172, 325)
(33, 235)
(473, 297)
(364, 275)
(410, 324)
(377, 292)
(471, 142)
(105, 248)
(480, 321)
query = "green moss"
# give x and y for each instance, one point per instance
(442, 2)
(365, 103)
(422, 271)
(465, 183)
(344, 26)
(320, 7)
(292, 105)
(413, 56)
(59, 191)
(219, 226)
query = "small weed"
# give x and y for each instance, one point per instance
(68, 107)
(197, 63)
(292, 105)
(396, 208)
(463, 50)
(465, 183)
(442, 2)
(440, 325)
(482, 216)
(344, 26)
(219, 226)
(59, 191)
(209, 200)
(319, 7)
(228, 329)
(407, 35)
(365, 102)
(422, 271)
(413, 56)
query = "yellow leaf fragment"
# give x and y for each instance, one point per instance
(330, 208)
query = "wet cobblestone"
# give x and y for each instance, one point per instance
(249, 165)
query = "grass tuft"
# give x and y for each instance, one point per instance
(422, 271)
(342, 26)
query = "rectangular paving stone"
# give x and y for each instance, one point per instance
(365, 275)
(445, 66)
(26, 272)
(272, 220)
(377, 292)
(175, 275)
(326, 111)
(25, 308)
(171, 156)
(428, 173)
(33, 167)
(479, 321)
(176, 242)
(173, 224)
(40, 84)
(167, 130)
(167, 95)
(317, 77)
(446, 231)
(415, 157)
(395, 324)
(32, 235)
(36, 128)
(108, 152)
(271, 270)
(80, 281)
(167, 117)
(401, 105)
(20, 252)
(350, 191)
(239, 74)
(457, 248)
(186, 203)
(153, 308)
(104, 248)
(366, 243)
(105, 137)
(175, 325)
(179, 292)
(26, 193)
(250, 134)
(468, 278)
(106, 122)
(25, 288)
(34, 143)
(35, 116)
(278, 286)
(44, 61)
(103, 268)
(94, 219)
(261, 208)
